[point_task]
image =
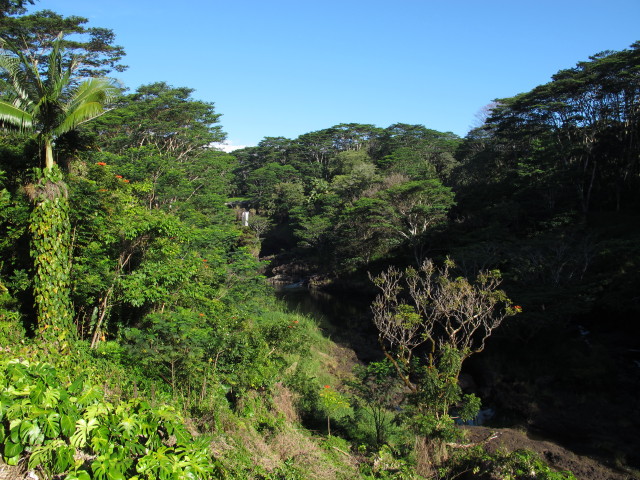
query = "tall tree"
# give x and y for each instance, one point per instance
(91, 48)
(589, 116)
(450, 318)
(50, 105)
(161, 135)
(13, 7)
(415, 208)
(167, 119)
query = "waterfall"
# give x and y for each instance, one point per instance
(245, 219)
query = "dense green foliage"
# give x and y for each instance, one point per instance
(49, 104)
(546, 191)
(517, 465)
(50, 233)
(55, 424)
(347, 195)
(129, 262)
(92, 47)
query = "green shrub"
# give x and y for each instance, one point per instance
(50, 424)
(517, 465)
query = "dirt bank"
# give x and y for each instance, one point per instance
(584, 468)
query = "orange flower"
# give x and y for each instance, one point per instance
(103, 190)
(118, 176)
(517, 308)
(295, 321)
(102, 164)
(125, 180)
(327, 386)
(201, 314)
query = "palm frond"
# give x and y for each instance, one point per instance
(30, 72)
(24, 75)
(54, 71)
(101, 90)
(52, 103)
(24, 104)
(13, 115)
(12, 66)
(81, 114)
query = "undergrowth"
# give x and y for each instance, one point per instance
(85, 414)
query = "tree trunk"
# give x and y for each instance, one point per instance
(48, 154)
(50, 240)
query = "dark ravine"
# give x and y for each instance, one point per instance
(520, 423)
(343, 317)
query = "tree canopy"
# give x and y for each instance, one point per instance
(138, 258)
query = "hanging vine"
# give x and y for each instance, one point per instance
(50, 238)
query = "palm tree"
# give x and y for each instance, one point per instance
(51, 105)
(50, 102)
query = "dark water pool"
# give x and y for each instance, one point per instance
(345, 318)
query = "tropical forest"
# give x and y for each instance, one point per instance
(360, 302)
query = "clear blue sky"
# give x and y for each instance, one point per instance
(284, 68)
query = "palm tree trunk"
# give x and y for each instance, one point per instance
(50, 241)
(48, 154)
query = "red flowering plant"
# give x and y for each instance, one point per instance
(514, 309)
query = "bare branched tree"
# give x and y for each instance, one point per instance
(431, 307)
(447, 319)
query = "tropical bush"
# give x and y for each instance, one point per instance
(72, 430)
